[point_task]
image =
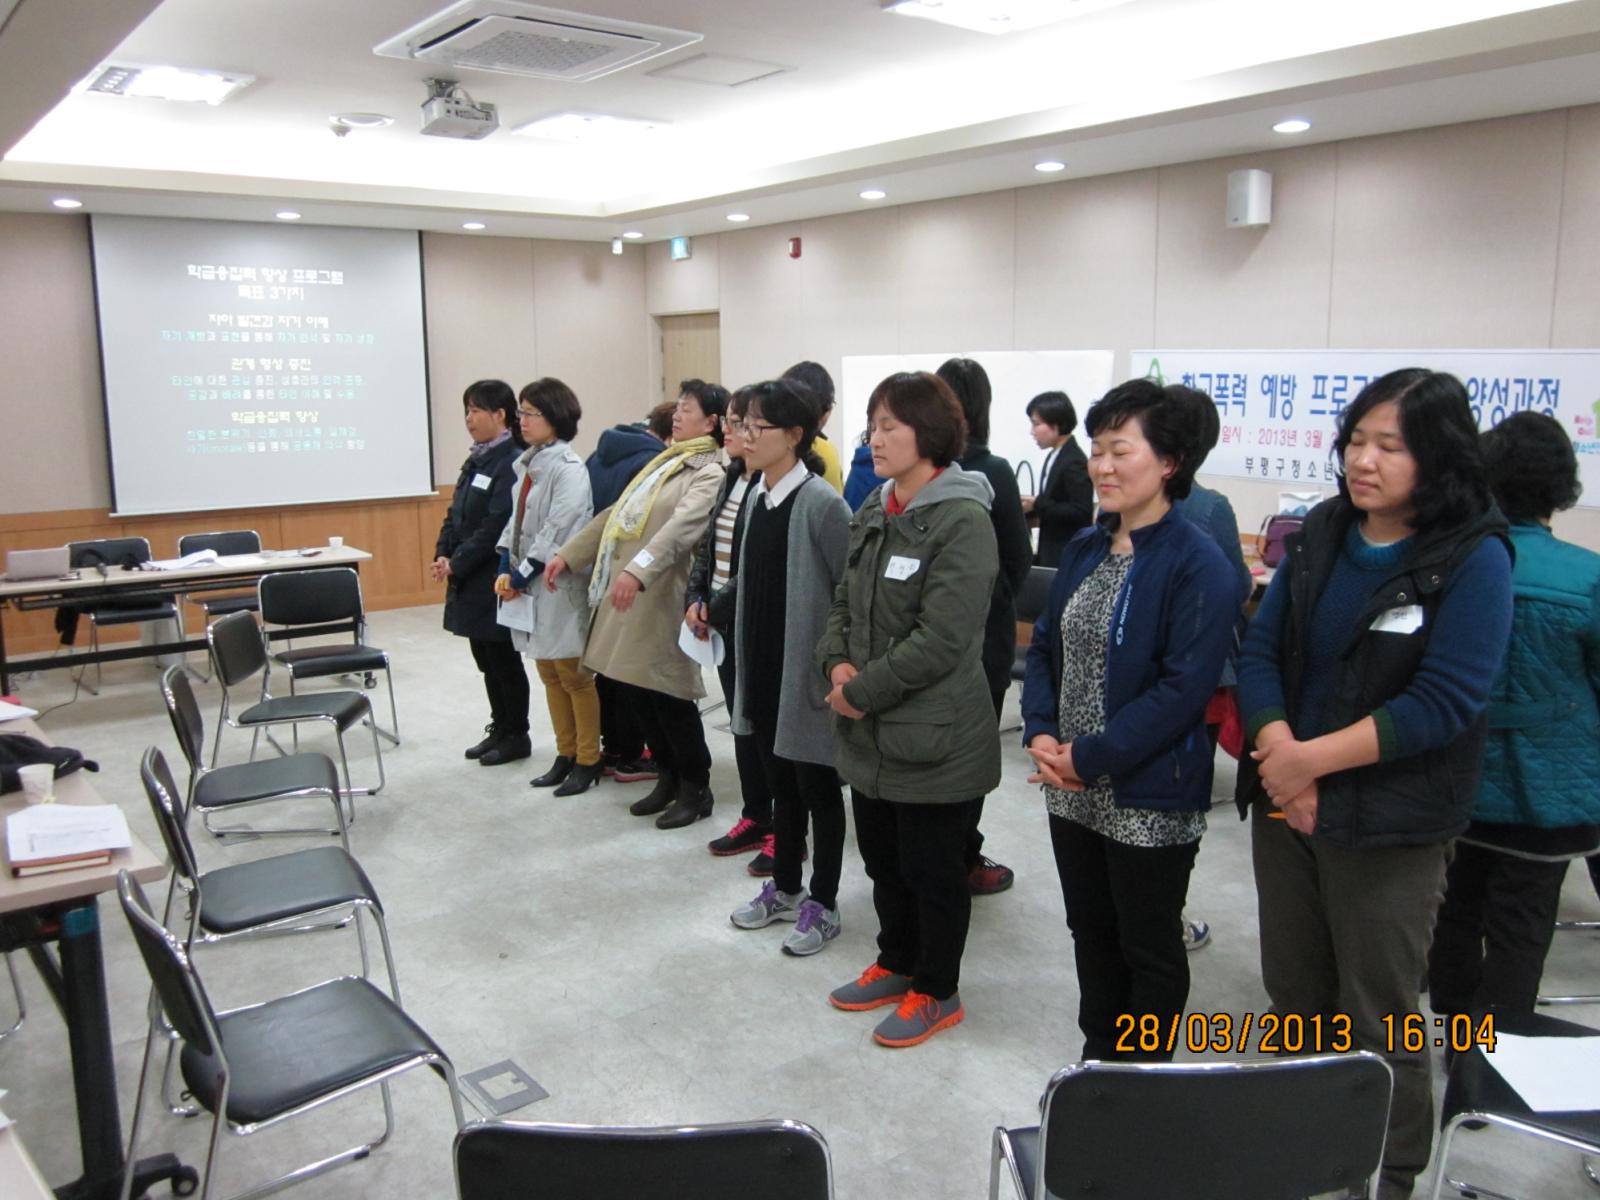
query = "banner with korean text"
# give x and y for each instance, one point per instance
(1279, 408)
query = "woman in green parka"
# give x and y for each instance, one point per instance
(916, 742)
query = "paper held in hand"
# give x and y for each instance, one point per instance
(61, 837)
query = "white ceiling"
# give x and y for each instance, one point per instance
(871, 99)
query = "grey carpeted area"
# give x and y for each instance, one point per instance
(596, 952)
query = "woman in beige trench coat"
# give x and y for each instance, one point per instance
(640, 550)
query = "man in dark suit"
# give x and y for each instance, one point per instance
(1065, 503)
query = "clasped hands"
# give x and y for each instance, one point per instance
(1288, 775)
(841, 675)
(1053, 759)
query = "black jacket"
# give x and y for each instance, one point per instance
(621, 451)
(719, 607)
(1065, 503)
(476, 519)
(1016, 556)
(1417, 800)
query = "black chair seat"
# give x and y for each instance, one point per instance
(1025, 1148)
(268, 777)
(1019, 664)
(163, 610)
(273, 889)
(311, 662)
(295, 1049)
(1475, 1086)
(221, 606)
(344, 707)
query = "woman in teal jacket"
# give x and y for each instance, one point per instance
(1537, 806)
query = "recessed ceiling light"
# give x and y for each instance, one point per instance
(288, 214)
(997, 16)
(168, 83)
(1050, 166)
(632, 234)
(361, 120)
(66, 202)
(738, 216)
(1292, 125)
(473, 225)
(873, 194)
(588, 128)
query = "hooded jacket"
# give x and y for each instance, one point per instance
(621, 451)
(909, 616)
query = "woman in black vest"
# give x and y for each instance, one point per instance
(466, 560)
(1363, 683)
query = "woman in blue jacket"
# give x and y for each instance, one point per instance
(1123, 661)
(1362, 684)
(1537, 808)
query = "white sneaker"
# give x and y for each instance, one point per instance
(815, 926)
(771, 905)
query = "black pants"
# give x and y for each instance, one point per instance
(802, 790)
(672, 730)
(913, 853)
(620, 736)
(974, 848)
(506, 682)
(1493, 931)
(1125, 910)
(752, 775)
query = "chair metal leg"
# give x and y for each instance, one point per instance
(1497, 1119)
(82, 678)
(1576, 998)
(340, 830)
(16, 988)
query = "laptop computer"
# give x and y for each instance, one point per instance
(37, 564)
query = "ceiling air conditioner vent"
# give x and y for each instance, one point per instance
(522, 39)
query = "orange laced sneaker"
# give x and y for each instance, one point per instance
(917, 1019)
(875, 987)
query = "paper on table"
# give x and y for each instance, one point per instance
(198, 559)
(708, 653)
(1551, 1074)
(55, 830)
(242, 561)
(15, 712)
(516, 613)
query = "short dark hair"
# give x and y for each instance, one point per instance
(1054, 409)
(659, 420)
(1531, 466)
(925, 402)
(970, 382)
(556, 403)
(789, 405)
(494, 395)
(1441, 435)
(1205, 409)
(1169, 423)
(712, 399)
(814, 376)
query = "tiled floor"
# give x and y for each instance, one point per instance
(595, 951)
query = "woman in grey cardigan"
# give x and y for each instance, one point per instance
(797, 530)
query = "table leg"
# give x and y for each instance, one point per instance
(5, 671)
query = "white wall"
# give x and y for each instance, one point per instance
(1482, 235)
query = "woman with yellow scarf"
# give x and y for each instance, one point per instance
(640, 550)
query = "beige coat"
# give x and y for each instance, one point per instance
(640, 646)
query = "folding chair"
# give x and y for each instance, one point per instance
(16, 989)
(217, 789)
(239, 654)
(131, 610)
(321, 597)
(1274, 1128)
(224, 542)
(1475, 1094)
(775, 1160)
(256, 1066)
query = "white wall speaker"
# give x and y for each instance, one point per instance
(1249, 198)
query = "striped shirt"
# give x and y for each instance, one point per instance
(722, 543)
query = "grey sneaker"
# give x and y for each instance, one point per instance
(873, 989)
(771, 905)
(917, 1019)
(814, 928)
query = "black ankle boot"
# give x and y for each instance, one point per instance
(559, 770)
(581, 779)
(507, 749)
(486, 745)
(693, 801)
(660, 796)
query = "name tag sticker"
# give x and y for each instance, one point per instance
(1405, 619)
(482, 482)
(643, 559)
(901, 568)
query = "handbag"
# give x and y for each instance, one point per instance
(18, 750)
(1269, 542)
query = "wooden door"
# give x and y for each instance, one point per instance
(691, 348)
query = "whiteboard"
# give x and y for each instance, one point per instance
(1015, 377)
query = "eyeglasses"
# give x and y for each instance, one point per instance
(757, 428)
(525, 413)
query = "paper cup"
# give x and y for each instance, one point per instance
(336, 542)
(38, 782)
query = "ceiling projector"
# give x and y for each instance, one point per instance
(458, 116)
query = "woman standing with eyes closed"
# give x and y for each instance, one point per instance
(1362, 683)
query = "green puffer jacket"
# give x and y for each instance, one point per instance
(909, 614)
